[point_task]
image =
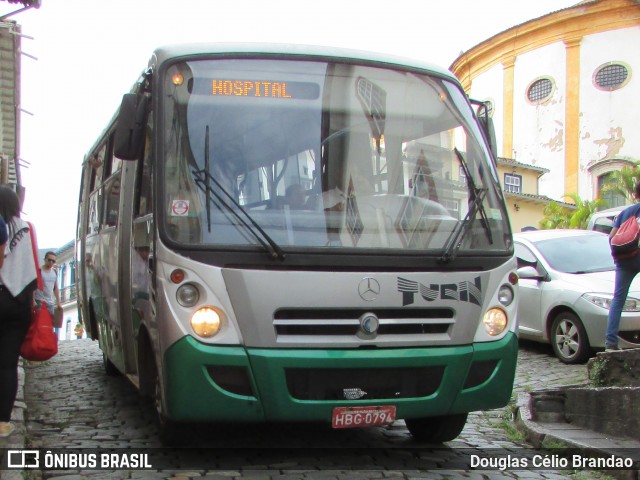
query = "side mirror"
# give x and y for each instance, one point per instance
(130, 126)
(486, 125)
(529, 273)
(486, 122)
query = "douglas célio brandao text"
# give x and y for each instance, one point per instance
(509, 462)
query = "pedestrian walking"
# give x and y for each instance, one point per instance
(627, 268)
(18, 281)
(50, 293)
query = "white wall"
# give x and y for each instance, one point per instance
(609, 121)
(539, 130)
(489, 86)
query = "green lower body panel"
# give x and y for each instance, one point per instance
(227, 383)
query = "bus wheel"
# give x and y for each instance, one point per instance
(436, 429)
(109, 368)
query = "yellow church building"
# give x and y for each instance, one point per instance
(564, 94)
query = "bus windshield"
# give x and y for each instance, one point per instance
(292, 155)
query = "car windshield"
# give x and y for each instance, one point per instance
(577, 254)
(304, 154)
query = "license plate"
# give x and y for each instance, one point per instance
(357, 417)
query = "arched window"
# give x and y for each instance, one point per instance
(611, 76)
(72, 267)
(611, 198)
(63, 276)
(539, 90)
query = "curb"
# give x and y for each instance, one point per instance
(560, 434)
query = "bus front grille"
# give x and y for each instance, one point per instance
(296, 325)
(363, 383)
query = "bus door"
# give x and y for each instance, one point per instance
(107, 264)
(141, 268)
(110, 259)
(121, 253)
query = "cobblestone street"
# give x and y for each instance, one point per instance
(71, 403)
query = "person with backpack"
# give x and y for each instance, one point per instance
(627, 267)
(18, 281)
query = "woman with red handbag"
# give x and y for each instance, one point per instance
(18, 281)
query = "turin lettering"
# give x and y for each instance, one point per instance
(464, 291)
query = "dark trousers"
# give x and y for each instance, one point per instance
(15, 318)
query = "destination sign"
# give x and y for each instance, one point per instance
(264, 89)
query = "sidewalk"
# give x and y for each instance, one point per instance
(560, 434)
(17, 438)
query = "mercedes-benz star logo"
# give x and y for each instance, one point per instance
(369, 289)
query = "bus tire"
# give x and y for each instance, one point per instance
(109, 368)
(436, 429)
(93, 324)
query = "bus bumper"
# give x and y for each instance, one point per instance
(227, 383)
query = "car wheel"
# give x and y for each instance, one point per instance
(569, 338)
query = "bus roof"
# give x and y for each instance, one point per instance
(172, 51)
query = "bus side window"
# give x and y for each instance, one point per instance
(96, 164)
(95, 201)
(144, 201)
(112, 201)
(97, 161)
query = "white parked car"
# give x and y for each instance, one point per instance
(566, 287)
(602, 221)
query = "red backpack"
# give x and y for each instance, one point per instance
(625, 241)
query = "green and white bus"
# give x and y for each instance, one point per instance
(291, 233)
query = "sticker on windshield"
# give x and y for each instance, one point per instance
(179, 208)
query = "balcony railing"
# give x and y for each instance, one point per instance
(68, 294)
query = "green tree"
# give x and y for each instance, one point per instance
(558, 216)
(555, 216)
(584, 209)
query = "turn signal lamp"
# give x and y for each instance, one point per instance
(206, 322)
(177, 79)
(177, 276)
(495, 321)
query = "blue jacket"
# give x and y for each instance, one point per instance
(631, 210)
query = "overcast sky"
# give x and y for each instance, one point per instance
(90, 52)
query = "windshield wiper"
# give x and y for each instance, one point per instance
(207, 171)
(454, 241)
(203, 179)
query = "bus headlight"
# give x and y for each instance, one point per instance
(187, 295)
(505, 295)
(206, 322)
(495, 321)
